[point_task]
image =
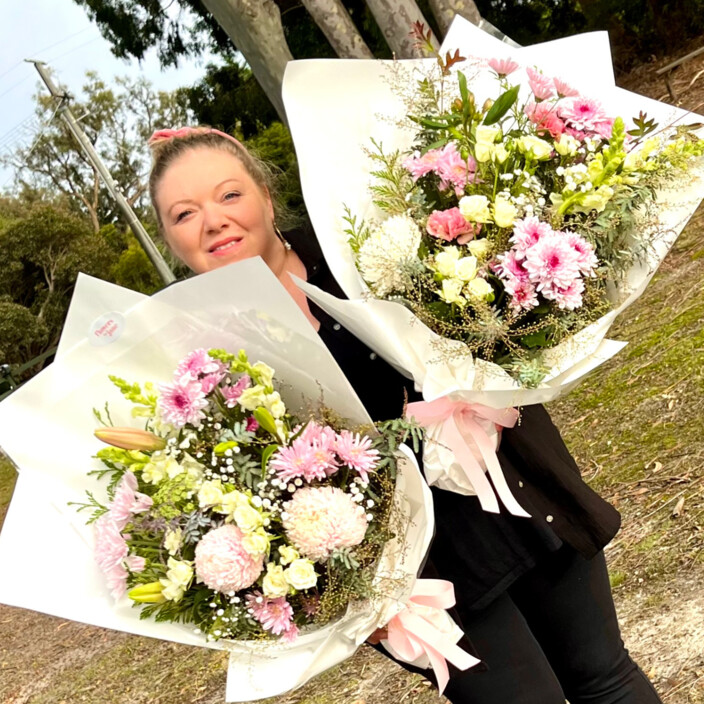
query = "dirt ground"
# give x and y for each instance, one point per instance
(635, 428)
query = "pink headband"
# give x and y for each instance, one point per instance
(163, 135)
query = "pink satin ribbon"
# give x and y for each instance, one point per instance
(416, 630)
(463, 423)
(162, 135)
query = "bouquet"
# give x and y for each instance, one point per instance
(110, 331)
(489, 248)
(230, 514)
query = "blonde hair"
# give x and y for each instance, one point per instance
(168, 145)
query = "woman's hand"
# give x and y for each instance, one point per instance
(378, 635)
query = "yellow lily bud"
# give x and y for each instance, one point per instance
(488, 104)
(130, 438)
(147, 593)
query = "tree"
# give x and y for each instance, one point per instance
(255, 28)
(118, 123)
(334, 20)
(445, 11)
(42, 253)
(395, 18)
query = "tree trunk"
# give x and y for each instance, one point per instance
(395, 19)
(337, 26)
(445, 11)
(255, 28)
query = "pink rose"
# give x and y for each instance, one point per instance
(449, 224)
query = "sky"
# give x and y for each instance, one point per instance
(59, 33)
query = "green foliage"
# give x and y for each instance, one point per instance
(134, 270)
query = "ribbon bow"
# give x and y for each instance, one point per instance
(462, 422)
(421, 629)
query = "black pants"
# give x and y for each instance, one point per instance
(553, 635)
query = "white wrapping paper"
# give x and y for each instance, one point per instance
(336, 107)
(46, 428)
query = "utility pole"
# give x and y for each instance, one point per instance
(140, 233)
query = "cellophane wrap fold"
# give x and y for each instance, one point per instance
(46, 428)
(335, 107)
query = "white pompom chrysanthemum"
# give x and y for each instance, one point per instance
(387, 254)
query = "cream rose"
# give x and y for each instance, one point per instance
(504, 211)
(539, 148)
(247, 518)
(479, 248)
(288, 554)
(475, 208)
(452, 291)
(274, 583)
(466, 268)
(211, 494)
(480, 289)
(256, 543)
(301, 574)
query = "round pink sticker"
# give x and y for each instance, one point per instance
(106, 329)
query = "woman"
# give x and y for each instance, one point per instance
(533, 594)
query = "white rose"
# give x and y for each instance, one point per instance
(265, 373)
(486, 134)
(504, 211)
(274, 583)
(480, 289)
(253, 397)
(179, 572)
(567, 145)
(172, 541)
(301, 574)
(211, 494)
(276, 406)
(539, 148)
(247, 518)
(231, 501)
(256, 543)
(475, 208)
(288, 554)
(452, 291)
(466, 268)
(500, 153)
(479, 248)
(447, 259)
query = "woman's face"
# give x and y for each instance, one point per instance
(213, 212)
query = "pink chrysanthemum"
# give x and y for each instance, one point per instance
(182, 402)
(582, 113)
(223, 564)
(275, 615)
(116, 581)
(110, 546)
(568, 298)
(564, 90)
(454, 170)
(528, 232)
(545, 118)
(540, 84)
(198, 363)
(586, 260)
(128, 501)
(354, 450)
(503, 67)
(300, 459)
(509, 266)
(232, 392)
(322, 519)
(450, 224)
(523, 294)
(419, 166)
(604, 128)
(551, 262)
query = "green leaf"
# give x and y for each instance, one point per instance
(501, 106)
(463, 86)
(268, 452)
(266, 420)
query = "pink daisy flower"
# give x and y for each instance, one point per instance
(128, 501)
(232, 392)
(582, 112)
(503, 67)
(275, 615)
(551, 262)
(528, 232)
(586, 259)
(510, 266)
(604, 128)
(523, 294)
(568, 298)
(321, 519)
(545, 118)
(135, 563)
(182, 402)
(223, 564)
(354, 451)
(449, 224)
(290, 635)
(540, 84)
(564, 90)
